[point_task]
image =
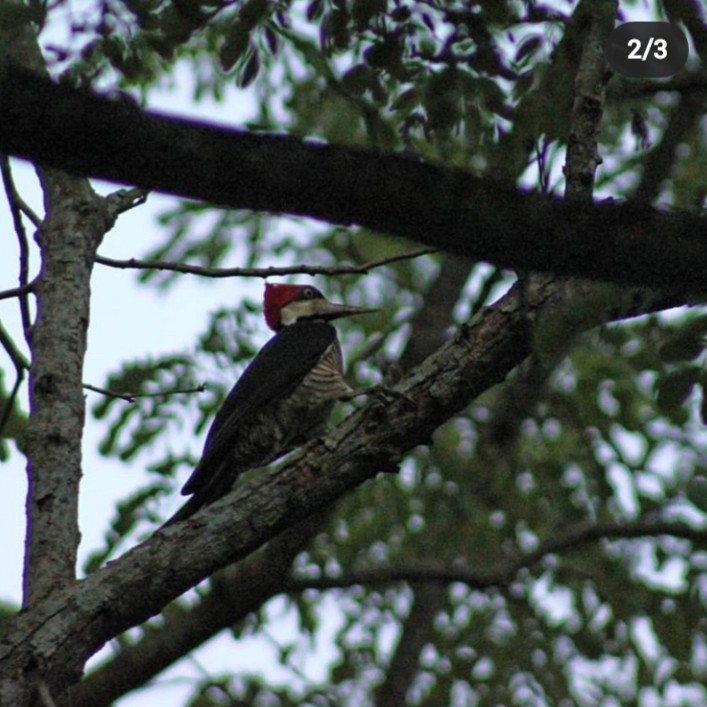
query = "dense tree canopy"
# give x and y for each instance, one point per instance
(520, 517)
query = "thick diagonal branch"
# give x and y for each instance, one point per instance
(145, 579)
(235, 591)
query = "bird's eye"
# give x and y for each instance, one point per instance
(308, 293)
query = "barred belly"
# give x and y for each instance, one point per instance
(299, 417)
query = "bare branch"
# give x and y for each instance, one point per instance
(371, 440)
(684, 117)
(262, 272)
(504, 573)
(17, 206)
(588, 107)
(17, 291)
(18, 359)
(432, 323)
(123, 200)
(417, 631)
(621, 89)
(130, 397)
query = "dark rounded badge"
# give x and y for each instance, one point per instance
(647, 50)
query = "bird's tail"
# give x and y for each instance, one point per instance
(220, 483)
(192, 505)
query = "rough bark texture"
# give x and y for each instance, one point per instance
(267, 572)
(482, 219)
(235, 591)
(74, 224)
(68, 238)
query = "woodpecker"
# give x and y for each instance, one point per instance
(283, 398)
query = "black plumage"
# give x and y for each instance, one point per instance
(283, 398)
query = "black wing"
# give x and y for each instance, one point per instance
(274, 373)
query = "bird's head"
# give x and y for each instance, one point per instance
(287, 304)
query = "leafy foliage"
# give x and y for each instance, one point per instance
(14, 420)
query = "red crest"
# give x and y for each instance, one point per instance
(276, 297)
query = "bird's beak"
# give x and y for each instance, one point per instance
(331, 310)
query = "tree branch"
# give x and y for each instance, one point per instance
(505, 572)
(659, 162)
(235, 591)
(686, 83)
(17, 291)
(444, 208)
(123, 200)
(17, 206)
(262, 272)
(142, 581)
(432, 322)
(14, 195)
(265, 574)
(76, 220)
(519, 394)
(130, 397)
(588, 105)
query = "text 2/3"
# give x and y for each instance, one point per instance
(660, 51)
(647, 50)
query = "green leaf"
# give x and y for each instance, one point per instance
(8, 612)
(674, 388)
(236, 44)
(697, 492)
(13, 15)
(527, 47)
(250, 70)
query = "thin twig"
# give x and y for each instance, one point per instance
(502, 575)
(130, 397)
(17, 206)
(26, 209)
(17, 291)
(261, 272)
